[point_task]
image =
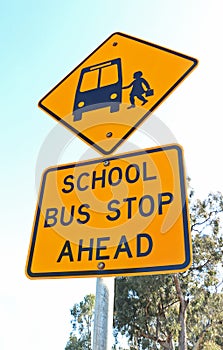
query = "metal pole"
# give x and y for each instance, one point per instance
(103, 319)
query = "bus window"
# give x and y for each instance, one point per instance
(89, 80)
(109, 75)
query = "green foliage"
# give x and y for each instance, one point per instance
(211, 346)
(148, 309)
(82, 319)
(74, 343)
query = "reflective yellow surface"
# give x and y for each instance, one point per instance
(129, 213)
(162, 68)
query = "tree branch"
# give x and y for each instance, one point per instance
(206, 220)
(201, 266)
(164, 343)
(174, 302)
(179, 291)
(182, 314)
(201, 337)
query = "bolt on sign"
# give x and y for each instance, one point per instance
(123, 215)
(107, 96)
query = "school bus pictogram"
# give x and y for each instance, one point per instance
(99, 86)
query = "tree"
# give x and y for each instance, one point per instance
(82, 320)
(182, 311)
(74, 343)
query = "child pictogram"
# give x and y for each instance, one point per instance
(138, 89)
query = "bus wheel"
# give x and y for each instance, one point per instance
(114, 107)
(77, 115)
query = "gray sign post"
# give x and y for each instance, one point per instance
(103, 320)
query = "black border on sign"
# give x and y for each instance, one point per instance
(86, 139)
(116, 272)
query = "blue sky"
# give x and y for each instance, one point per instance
(43, 41)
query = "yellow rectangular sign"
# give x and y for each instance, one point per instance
(126, 214)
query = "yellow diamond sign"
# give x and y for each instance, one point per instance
(122, 215)
(106, 97)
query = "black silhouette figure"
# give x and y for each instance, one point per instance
(138, 89)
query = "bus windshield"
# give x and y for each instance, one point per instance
(99, 77)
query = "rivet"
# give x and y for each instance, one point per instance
(101, 265)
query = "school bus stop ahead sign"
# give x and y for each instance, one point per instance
(107, 96)
(124, 215)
